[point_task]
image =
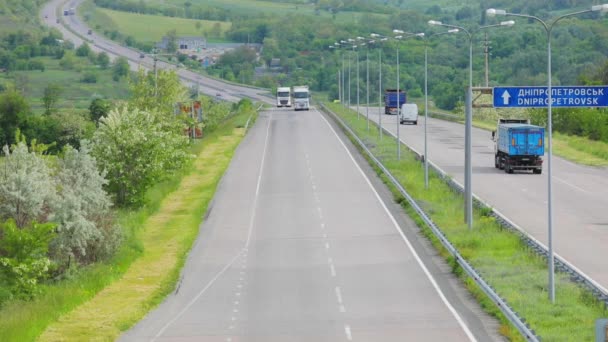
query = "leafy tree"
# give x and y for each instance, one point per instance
(138, 148)
(89, 77)
(82, 210)
(51, 96)
(121, 68)
(83, 50)
(158, 92)
(26, 186)
(103, 60)
(71, 127)
(172, 41)
(98, 109)
(23, 256)
(13, 112)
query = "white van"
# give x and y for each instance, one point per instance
(409, 113)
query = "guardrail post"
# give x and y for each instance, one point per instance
(601, 330)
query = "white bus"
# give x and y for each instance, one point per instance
(283, 97)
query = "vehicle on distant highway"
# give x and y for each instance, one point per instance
(90, 31)
(393, 99)
(518, 146)
(283, 97)
(301, 98)
(409, 113)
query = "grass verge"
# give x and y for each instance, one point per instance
(26, 321)
(505, 262)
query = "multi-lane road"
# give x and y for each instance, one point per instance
(580, 226)
(300, 246)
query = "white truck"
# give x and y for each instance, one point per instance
(301, 98)
(283, 97)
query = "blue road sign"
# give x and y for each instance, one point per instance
(536, 97)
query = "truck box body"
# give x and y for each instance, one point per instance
(519, 146)
(521, 140)
(393, 99)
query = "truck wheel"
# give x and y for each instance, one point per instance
(496, 162)
(416, 122)
(537, 171)
(507, 167)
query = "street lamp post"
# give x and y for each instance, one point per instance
(400, 36)
(426, 103)
(333, 47)
(548, 27)
(469, 119)
(380, 38)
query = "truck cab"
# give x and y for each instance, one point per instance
(283, 97)
(301, 98)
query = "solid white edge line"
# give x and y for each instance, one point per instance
(219, 274)
(459, 319)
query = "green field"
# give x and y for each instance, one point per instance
(151, 28)
(75, 94)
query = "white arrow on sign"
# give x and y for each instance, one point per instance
(505, 98)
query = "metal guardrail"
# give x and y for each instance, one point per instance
(509, 313)
(576, 275)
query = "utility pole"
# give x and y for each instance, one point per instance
(486, 51)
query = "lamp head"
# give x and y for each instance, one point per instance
(398, 31)
(398, 37)
(492, 12)
(600, 8)
(374, 35)
(508, 23)
(360, 38)
(434, 22)
(453, 31)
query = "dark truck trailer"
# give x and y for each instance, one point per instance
(519, 146)
(393, 99)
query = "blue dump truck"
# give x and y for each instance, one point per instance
(518, 146)
(393, 99)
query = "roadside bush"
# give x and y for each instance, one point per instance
(137, 149)
(89, 77)
(23, 257)
(26, 186)
(85, 229)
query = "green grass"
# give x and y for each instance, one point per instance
(75, 94)
(25, 321)
(505, 262)
(150, 28)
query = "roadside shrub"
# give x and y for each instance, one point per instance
(23, 257)
(89, 77)
(85, 232)
(26, 186)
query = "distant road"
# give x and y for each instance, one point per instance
(299, 246)
(208, 86)
(580, 200)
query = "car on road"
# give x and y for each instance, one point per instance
(90, 32)
(142, 55)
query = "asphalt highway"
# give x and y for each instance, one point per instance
(580, 224)
(299, 246)
(78, 33)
